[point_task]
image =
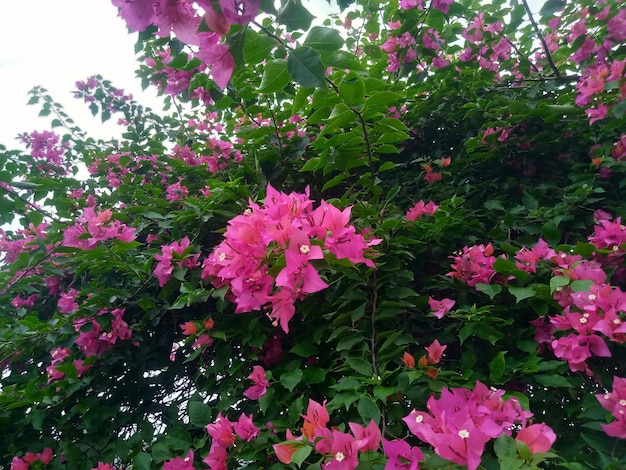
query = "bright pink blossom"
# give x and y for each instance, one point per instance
(440, 307)
(180, 463)
(260, 386)
(538, 437)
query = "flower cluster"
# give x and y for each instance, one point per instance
(286, 231)
(45, 457)
(474, 265)
(100, 227)
(174, 255)
(92, 340)
(421, 208)
(180, 463)
(48, 150)
(341, 449)
(462, 421)
(224, 432)
(184, 18)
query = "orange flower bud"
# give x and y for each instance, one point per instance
(408, 360)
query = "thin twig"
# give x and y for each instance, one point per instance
(541, 38)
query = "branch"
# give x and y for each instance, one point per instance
(543, 41)
(31, 204)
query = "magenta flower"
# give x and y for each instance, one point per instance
(370, 435)
(345, 450)
(435, 352)
(260, 386)
(245, 428)
(440, 307)
(401, 456)
(180, 463)
(240, 11)
(538, 437)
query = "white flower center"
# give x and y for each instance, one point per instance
(304, 249)
(583, 320)
(463, 433)
(622, 402)
(592, 297)
(339, 456)
(419, 418)
(222, 256)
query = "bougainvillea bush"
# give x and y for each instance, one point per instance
(390, 238)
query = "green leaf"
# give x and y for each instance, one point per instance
(490, 289)
(505, 447)
(368, 410)
(142, 461)
(581, 285)
(550, 7)
(349, 342)
(291, 378)
(324, 39)
(496, 368)
(303, 349)
(257, 46)
(553, 380)
(294, 16)
(551, 233)
(522, 293)
(305, 67)
(558, 281)
(352, 89)
(301, 454)
(360, 365)
(275, 76)
(199, 413)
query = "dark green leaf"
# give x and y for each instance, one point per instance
(305, 66)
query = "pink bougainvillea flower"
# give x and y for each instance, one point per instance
(421, 208)
(435, 352)
(216, 460)
(440, 307)
(240, 11)
(138, 14)
(370, 435)
(401, 456)
(260, 386)
(345, 450)
(180, 463)
(222, 64)
(104, 466)
(442, 5)
(18, 464)
(245, 428)
(538, 437)
(285, 450)
(316, 418)
(221, 430)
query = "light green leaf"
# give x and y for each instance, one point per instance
(522, 293)
(490, 289)
(294, 16)
(257, 47)
(324, 39)
(275, 76)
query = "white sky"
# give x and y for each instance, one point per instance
(54, 43)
